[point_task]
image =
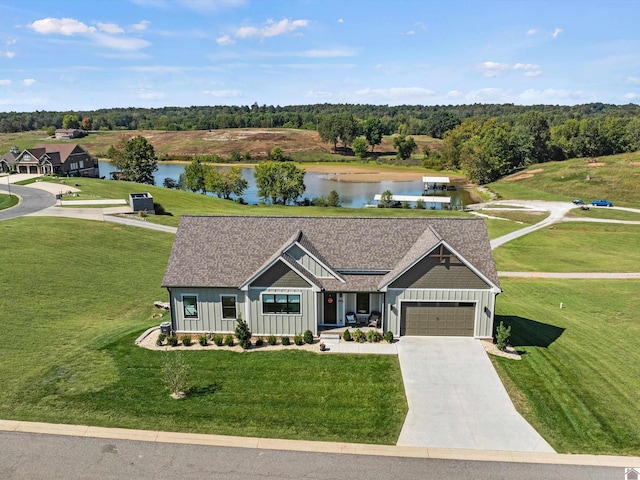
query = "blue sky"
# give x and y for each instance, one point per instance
(75, 55)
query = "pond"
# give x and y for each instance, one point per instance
(352, 194)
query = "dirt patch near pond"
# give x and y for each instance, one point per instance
(635, 164)
(521, 176)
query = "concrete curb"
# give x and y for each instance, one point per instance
(317, 447)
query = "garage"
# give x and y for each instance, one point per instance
(452, 319)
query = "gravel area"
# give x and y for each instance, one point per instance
(491, 348)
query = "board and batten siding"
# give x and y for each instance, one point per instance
(430, 272)
(484, 300)
(282, 324)
(209, 310)
(308, 262)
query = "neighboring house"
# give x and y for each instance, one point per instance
(69, 133)
(68, 160)
(285, 275)
(8, 160)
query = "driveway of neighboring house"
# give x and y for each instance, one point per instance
(456, 399)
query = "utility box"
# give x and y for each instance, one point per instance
(141, 202)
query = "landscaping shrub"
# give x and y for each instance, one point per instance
(202, 340)
(172, 340)
(161, 338)
(307, 336)
(271, 340)
(285, 341)
(388, 336)
(229, 341)
(346, 336)
(259, 342)
(243, 334)
(218, 339)
(373, 336)
(186, 340)
(358, 336)
(297, 339)
(503, 335)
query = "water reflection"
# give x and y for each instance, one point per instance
(352, 194)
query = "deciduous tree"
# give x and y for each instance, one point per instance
(279, 182)
(226, 182)
(359, 147)
(405, 146)
(136, 158)
(373, 130)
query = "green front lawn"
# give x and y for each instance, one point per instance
(573, 247)
(578, 382)
(83, 291)
(605, 213)
(7, 201)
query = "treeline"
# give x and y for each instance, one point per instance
(487, 149)
(414, 119)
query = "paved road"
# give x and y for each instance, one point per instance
(32, 200)
(456, 399)
(25, 456)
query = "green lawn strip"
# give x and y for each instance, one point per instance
(578, 380)
(525, 217)
(8, 201)
(498, 228)
(617, 180)
(82, 291)
(573, 247)
(605, 213)
(178, 202)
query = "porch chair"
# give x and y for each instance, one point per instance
(374, 319)
(352, 318)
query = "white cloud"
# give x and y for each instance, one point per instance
(629, 97)
(225, 40)
(105, 37)
(411, 32)
(396, 93)
(61, 26)
(340, 20)
(140, 26)
(223, 93)
(28, 81)
(318, 94)
(331, 52)
(532, 31)
(145, 94)
(454, 94)
(533, 73)
(633, 80)
(120, 43)
(111, 28)
(493, 69)
(556, 32)
(8, 54)
(271, 28)
(5, 81)
(211, 5)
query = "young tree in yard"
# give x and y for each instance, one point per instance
(225, 183)
(175, 373)
(136, 159)
(279, 182)
(386, 199)
(405, 146)
(194, 176)
(372, 129)
(359, 147)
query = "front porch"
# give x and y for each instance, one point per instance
(341, 310)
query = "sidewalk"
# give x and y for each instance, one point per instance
(311, 446)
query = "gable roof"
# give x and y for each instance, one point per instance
(63, 149)
(227, 251)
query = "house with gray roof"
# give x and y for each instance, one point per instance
(64, 159)
(285, 275)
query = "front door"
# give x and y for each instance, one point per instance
(330, 306)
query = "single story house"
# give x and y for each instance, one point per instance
(285, 275)
(68, 133)
(69, 160)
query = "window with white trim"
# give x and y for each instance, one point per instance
(362, 303)
(190, 306)
(228, 306)
(281, 303)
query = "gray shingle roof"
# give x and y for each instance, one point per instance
(225, 251)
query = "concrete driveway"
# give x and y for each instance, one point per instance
(456, 399)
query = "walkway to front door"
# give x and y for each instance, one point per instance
(456, 399)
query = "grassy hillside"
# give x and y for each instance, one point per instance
(303, 145)
(615, 178)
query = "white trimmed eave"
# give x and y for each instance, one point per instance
(322, 264)
(245, 286)
(494, 288)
